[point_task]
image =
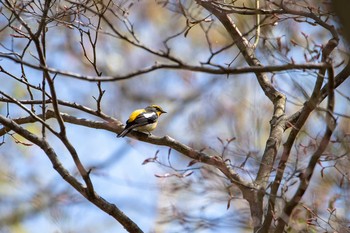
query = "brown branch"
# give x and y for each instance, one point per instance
(64, 103)
(254, 194)
(309, 107)
(338, 80)
(107, 207)
(109, 126)
(9, 99)
(42, 59)
(277, 122)
(219, 70)
(116, 127)
(308, 172)
(197, 156)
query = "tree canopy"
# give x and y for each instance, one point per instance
(255, 138)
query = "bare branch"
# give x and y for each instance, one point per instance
(107, 207)
(308, 172)
(216, 71)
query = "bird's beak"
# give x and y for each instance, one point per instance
(163, 111)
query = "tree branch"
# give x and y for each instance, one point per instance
(308, 172)
(159, 66)
(115, 127)
(107, 207)
(309, 107)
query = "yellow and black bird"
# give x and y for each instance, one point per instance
(144, 120)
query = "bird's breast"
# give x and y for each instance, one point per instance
(147, 128)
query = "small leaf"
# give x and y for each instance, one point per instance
(192, 162)
(322, 172)
(331, 210)
(341, 182)
(156, 154)
(149, 160)
(294, 43)
(166, 175)
(292, 60)
(279, 44)
(188, 174)
(230, 140)
(220, 140)
(187, 31)
(169, 152)
(228, 204)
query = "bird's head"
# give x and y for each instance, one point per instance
(156, 108)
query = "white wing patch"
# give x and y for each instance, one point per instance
(149, 114)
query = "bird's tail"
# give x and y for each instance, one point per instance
(124, 132)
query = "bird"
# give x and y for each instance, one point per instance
(144, 120)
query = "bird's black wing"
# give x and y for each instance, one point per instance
(141, 120)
